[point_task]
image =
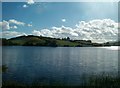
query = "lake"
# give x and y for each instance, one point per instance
(69, 65)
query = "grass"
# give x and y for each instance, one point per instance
(91, 82)
(103, 82)
(62, 43)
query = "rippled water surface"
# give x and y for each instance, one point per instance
(58, 64)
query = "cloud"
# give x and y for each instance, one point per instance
(29, 25)
(25, 6)
(63, 20)
(9, 34)
(98, 30)
(13, 21)
(12, 24)
(5, 25)
(95, 30)
(14, 27)
(30, 2)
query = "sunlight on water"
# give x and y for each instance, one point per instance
(112, 48)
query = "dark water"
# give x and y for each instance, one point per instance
(69, 65)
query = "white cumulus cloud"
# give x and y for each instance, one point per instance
(13, 21)
(10, 34)
(29, 25)
(5, 25)
(12, 24)
(95, 30)
(30, 2)
(14, 27)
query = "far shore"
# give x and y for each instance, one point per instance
(41, 41)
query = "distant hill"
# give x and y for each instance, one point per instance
(112, 43)
(32, 40)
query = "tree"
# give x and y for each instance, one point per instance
(68, 38)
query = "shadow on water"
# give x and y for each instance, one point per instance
(93, 81)
(3, 68)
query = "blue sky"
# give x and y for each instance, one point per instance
(43, 15)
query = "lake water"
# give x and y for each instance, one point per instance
(69, 65)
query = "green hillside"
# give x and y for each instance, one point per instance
(31, 40)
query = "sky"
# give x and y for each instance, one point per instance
(96, 21)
